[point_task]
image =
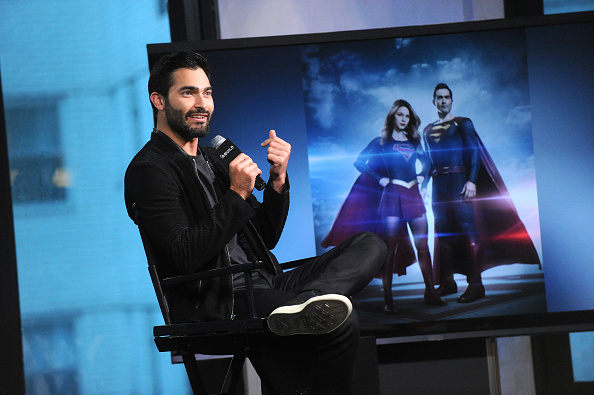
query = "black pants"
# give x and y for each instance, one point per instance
(321, 364)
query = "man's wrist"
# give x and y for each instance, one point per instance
(279, 183)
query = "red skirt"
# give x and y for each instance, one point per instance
(399, 201)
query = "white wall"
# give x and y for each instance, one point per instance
(253, 18)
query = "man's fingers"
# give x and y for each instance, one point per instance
(245, 164)
(271, 137)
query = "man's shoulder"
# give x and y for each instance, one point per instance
(157, 155)
(459, 120)
(147, 154)
(159, 146)
(465, 124)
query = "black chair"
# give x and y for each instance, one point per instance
(232, 338)
(226, 337)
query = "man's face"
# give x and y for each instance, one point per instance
(189, 104)
(443, 101)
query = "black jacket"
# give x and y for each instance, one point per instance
(188, 235)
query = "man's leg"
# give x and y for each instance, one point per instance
(327, 358)
(345, 270)
(475, 290)
(323, 285)
(445, 191)
(444, 254)
(319, 364)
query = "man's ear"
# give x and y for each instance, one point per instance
(158, 101)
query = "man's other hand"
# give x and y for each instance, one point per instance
(278, 155)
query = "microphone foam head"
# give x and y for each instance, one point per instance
(216, 141)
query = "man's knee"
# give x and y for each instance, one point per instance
(373, 242)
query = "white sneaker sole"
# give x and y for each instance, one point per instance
(317, 316)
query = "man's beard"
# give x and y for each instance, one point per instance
(177, 122)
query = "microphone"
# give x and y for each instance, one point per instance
(227, 151)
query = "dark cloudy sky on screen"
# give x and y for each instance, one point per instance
(349, 88)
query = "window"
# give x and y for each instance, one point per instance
(37, 170)
(49, 351)
(74, 87)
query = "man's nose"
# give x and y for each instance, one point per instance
(199, 101)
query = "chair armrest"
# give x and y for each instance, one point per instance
(210, 327)
(295, 263)
(244, 267)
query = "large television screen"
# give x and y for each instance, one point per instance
(527, 87)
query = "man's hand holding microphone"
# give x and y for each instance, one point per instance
(245, 173)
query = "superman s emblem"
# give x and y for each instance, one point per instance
(405, 150)
(437, 131)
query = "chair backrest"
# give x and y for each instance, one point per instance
(152, 268)
(226, 337)
(159, 293)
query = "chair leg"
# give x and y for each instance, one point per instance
(233, 374)
(193, 374)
